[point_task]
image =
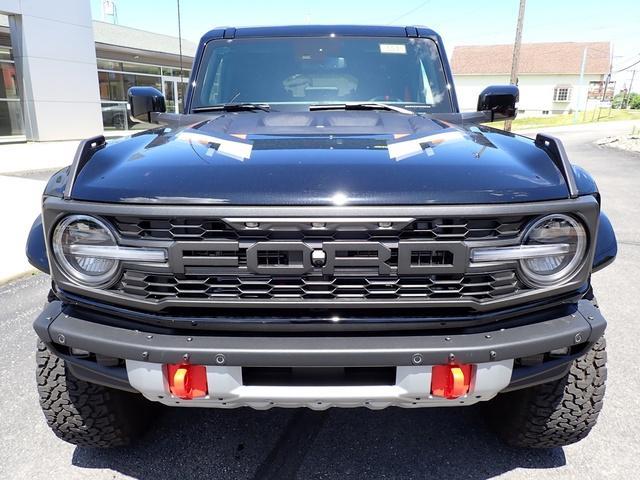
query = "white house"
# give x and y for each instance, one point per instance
(548, 75)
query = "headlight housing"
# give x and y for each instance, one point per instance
(70, 236)
(551, 251)
(551, 232)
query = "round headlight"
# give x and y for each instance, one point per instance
(553, 269)
(82, 230)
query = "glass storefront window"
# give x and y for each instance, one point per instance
(140, 68)
(115, 115)
(114, 65)
(11, 117)
(11, 121)
(114, 86)
(111, 86)
(175, 72)
(8, 82)
(140, 81)
(109, 65)
(5, 53)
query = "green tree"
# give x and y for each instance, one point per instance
(617, 100)
(632, 102)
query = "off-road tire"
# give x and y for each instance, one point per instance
(87, 414)
(557, 413)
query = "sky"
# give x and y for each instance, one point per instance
(460, 22)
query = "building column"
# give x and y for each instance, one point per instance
(55, 57)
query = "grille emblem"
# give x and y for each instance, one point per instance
(318, 258)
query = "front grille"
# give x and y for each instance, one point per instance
(262, 262)
(445, 229)
(317, 287)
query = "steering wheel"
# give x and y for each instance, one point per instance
(384, 98)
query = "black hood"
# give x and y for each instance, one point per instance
(321, 158)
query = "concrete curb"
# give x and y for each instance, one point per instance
(18, 276)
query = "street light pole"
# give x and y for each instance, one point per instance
(181, 86)
(580, 82)
(513, 79)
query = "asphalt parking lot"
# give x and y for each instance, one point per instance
(345, 444)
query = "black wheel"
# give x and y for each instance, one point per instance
(557, 413)
(87, 414)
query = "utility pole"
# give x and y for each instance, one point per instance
(628, 94)
(513, 79)
(606, 83)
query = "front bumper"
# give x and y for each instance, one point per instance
(144, 352)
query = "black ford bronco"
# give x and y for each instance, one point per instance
(321, 228)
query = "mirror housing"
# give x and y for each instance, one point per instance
(145, 100)
(500, 101)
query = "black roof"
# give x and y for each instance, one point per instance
(319, 31)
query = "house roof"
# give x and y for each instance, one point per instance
(535, 58)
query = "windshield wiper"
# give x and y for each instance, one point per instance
(360, 106)
(234, 107)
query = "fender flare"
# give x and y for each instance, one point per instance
(606, 244)
(36, 248)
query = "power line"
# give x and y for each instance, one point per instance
(627, 58)
(408, 13)
(627, 68)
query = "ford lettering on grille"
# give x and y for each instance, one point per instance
(326, 258)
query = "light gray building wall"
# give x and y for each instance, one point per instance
(55, 60)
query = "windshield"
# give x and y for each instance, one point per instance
(294, 73)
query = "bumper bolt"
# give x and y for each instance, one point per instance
(220, 359)
(578, 338)
(416, 359)
(487, 336)
(149, 337)
(452, 357)
(61, 339)
(492, 354)
(189, 339)
(145, 355)
(186, 357)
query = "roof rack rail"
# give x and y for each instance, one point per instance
(558, 154)
(85, 151)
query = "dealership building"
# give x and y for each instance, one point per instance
(65, 76)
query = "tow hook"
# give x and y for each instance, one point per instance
(450, 381)
(187, 381)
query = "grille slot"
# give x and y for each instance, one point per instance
(445, 229)
(429, 257)
(274, 258)
(446, 286)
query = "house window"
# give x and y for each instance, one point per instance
(545, 112)
(562, 94)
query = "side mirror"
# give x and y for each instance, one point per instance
(500, 101)
(145, 100)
